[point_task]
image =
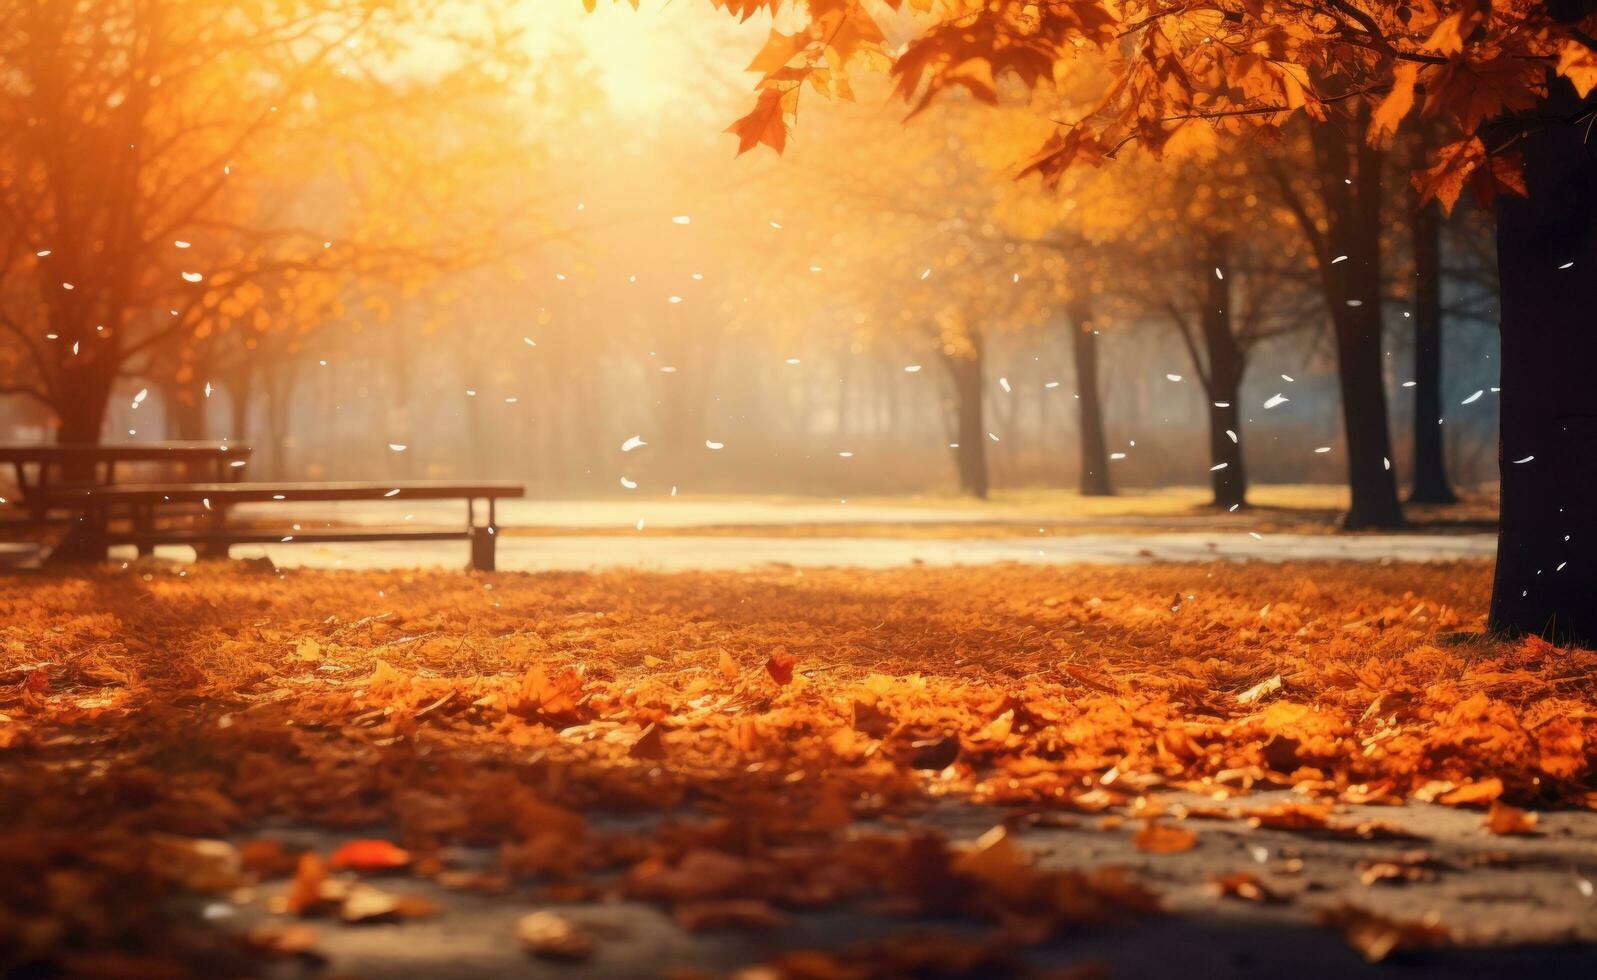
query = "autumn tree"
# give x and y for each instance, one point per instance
(1198, 245)
(1508, 81)
(128, 125)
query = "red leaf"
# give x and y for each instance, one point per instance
(370, 855)
(781, 665)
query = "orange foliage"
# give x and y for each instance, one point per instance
(142, 712)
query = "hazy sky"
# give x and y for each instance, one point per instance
(654, 58)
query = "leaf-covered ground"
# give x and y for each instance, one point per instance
(744, 750)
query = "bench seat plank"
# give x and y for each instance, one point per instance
(238, 493)
(259, 536)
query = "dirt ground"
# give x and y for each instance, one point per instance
(1210, 769)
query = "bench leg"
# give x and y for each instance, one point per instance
(482, 549)
(218, 550)
(84, 541)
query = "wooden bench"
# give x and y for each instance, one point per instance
(41, 471)
(142, 504)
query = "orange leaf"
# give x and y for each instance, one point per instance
(1386, 117)
(1156, 838)
(763, 125)
(780, 666)
(1503, 819)
(1478, 793)
(370, 855)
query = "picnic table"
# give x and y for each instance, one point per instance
(42, 470)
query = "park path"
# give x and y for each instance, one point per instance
(721, 553)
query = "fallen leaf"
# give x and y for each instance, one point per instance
(1503, 819)
(729, 913)
(1158, 838)
(369, 855)
(1260, 691)
(780, 666)
(553, 937)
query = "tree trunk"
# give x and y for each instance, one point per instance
(1094, 473)
(1547, 545)
(186, 413)
(970, 453)
(1353, 293)
(86, 394)
(1430, 468)
(1227, 475)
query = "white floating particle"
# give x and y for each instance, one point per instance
(712, 444)
(846, 455)
(1525, 460)
(1560, 566)
(911, 368)
(1218, 274)
(1355, 302)
(68, 286)
(397, 447)
(1276, 399)
(639, 525)
(629, 484)
(1173, 377)
(1410, 384)
(392, 493)
(1016, 278)
(1117, 455)
(43, 253)
(925, 274)
(1222, 404)
(471, 392)
(139, 398)
(776, 226)
(668, 369)
(673, 491)
(529, 342)
(1473, 398)
(1218, 467)
(1566, 265)
(815, 268)
(632, 444)
(1051, 384)
(1386, 463)
(681, 219)
(193, 277)
(1288, 377)
(1232, 434)
(181, 244)
(673, 299)
(1004, 384)
(792, 360)
(1322, 449)
(1256, 535)
(1339, 258)
(208, 389)
(992, 437)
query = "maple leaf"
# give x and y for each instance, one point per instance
(765, 124)
(1578, 63)
(1386, 117)
(1444, 180)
